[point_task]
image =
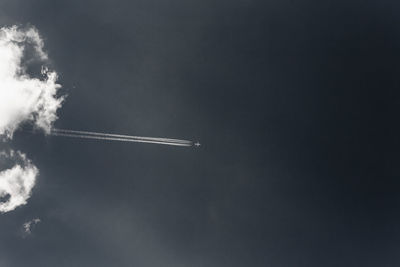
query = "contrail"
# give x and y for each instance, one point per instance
(122, 138)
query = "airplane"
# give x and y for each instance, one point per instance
(197, 144)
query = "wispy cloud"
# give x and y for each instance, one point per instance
(23, 98)
(17, 182)
(28, 226)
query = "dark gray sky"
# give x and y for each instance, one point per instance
(296, 104)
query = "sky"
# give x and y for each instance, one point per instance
(296, 106)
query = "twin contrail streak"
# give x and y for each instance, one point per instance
(119, 137)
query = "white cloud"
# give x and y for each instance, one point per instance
(17, 182)
(24, 98)
(27, 227)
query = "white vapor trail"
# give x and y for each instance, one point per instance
(122, 138)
